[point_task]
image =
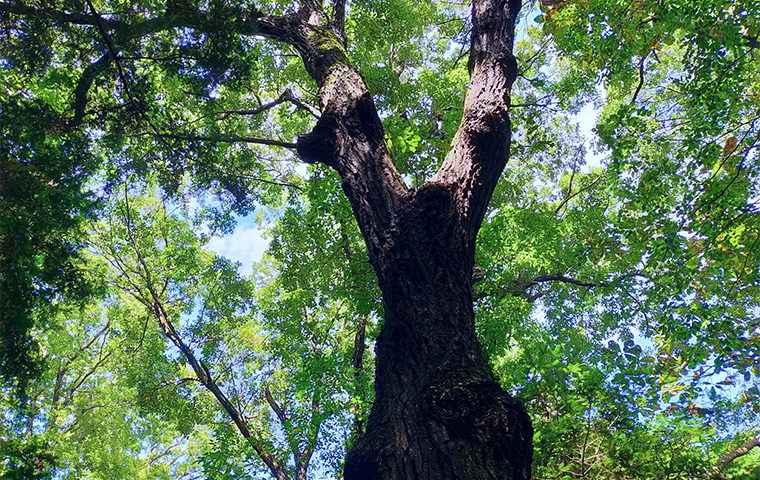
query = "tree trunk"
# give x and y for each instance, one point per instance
(438, 412)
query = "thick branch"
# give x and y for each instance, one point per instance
(358, 357)
(480, 147)
(339, 19)
(239, 22)
(733, 455)
(55, 15)
(117, 33)
(349, 135)
(89, 75)
(358, 364)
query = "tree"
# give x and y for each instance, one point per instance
(653, 240)
(44, 205)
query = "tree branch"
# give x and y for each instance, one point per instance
(155, 305)
(276, 407)
(480, 147)
(641, 79)
(349, 135)
(286, 96)
(204, 376)
(55, 15)
(239, 22)
(521, 285)
(121, 32)
(303, 458)
(229, 139)
(339, 19)
(572, 281)
(733, 455)
(357, 362)
(89, 75)
(570, 197)
(562, 279)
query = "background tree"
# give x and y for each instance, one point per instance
(632, 283)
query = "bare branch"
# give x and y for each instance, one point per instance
(641, 79)
(733, 455)
(229, 139)
(580, 190)
(521, 285)
(276, 407)
(572, 281)
(83, 378)
(204, 376)
(562, 279)
(287, 96)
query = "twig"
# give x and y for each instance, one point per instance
(570, 197)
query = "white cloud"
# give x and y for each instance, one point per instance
(244, 245)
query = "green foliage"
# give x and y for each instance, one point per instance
(43, 177)
(617, 272)
(25, 460)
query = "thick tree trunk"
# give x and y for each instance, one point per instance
(438, 413)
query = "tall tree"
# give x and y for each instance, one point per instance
(192, 92)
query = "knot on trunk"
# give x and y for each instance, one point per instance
(319, 145)
(482, 413)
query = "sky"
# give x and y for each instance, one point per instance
(245, 245)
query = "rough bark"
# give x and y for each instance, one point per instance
(438, 413)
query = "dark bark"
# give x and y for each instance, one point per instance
(438, 412)
(358, 363)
